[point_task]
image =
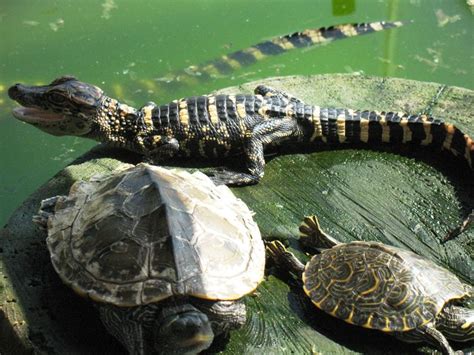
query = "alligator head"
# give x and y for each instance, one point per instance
(67, 106)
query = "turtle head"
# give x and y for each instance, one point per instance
(182, 329)
(66, 106)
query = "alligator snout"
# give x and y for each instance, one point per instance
(26, 95)
(14, 91)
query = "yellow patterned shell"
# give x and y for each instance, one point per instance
(378, 286)
(147, 233)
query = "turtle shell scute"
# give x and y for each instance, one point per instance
(378, 286)
(147, 233)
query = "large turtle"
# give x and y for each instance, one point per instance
(165, 255)
(381, 287)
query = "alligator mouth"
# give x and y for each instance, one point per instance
(36, 115)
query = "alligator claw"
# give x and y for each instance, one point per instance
(222, 176)
(461, 228)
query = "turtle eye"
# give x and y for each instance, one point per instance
(56, 98)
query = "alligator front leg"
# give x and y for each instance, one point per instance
(267, 132)
(160, 148)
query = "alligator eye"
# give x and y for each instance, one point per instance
(57, 98)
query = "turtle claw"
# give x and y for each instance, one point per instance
(283, 258)
(275, 249)
(41, 219)
(46, 209)
(49, 203)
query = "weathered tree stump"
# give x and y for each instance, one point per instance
(409, 198)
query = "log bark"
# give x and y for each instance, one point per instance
(408, 198)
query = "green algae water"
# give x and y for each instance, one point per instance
(135, 50)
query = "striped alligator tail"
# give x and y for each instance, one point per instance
(278, 45)
(350, 126)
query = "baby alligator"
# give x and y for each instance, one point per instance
(216, 126)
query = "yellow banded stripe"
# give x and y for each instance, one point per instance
(386, 328)
(407, 134)
(348, 30)
(147, 117)
(183, 112)
(406, 327)
(234, 64)
(376, 26)
(385, 128)
(316, 120)
(241, 110)
(212, 110)
(334, 310)
(450, 129)
(374, 287)
(349, 318)
(428, 136)
(210, 69)
(364, 130)
(318, 303)
(469, 149)
(369, 321)
(315, 36)
(341, 127)
(255, 52)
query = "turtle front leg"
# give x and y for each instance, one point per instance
(312, 236)
(284, 258)
(430, 334)
(434, 336)
(46, 210)
(223, 315)
(125, 326)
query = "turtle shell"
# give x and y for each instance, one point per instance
(147, 233)
(378, 286)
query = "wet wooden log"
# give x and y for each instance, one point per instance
(409, 198)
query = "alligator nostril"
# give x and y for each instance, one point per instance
(14, 91)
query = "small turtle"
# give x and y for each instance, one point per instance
(165, 255)
(381, 287)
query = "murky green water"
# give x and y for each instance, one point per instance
(130, 47)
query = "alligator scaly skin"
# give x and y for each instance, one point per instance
(223, 125)
(217, 126)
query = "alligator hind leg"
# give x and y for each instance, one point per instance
(269, 131)
(268, 91)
